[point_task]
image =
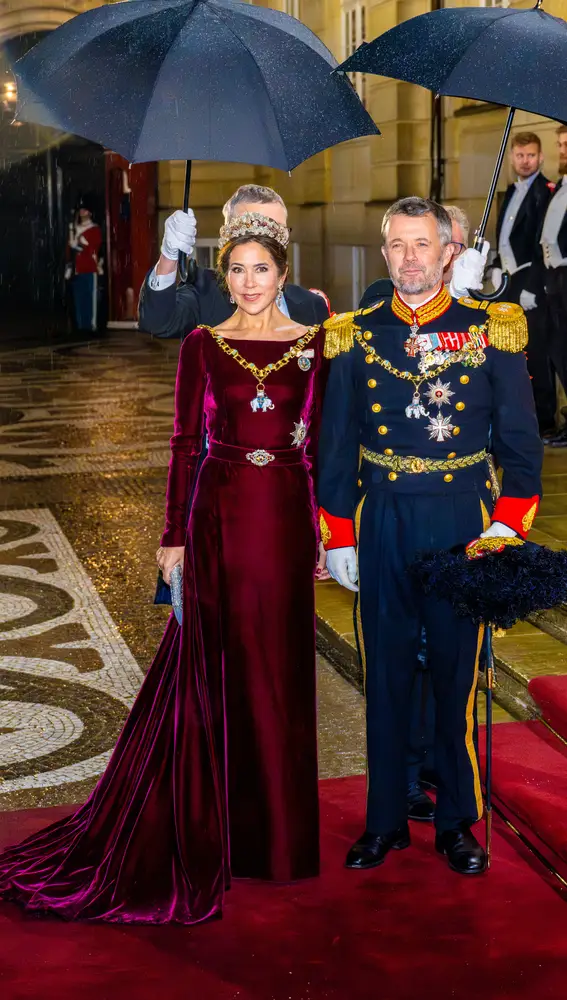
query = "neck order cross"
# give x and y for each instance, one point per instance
(262, 402)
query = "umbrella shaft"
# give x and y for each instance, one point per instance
(183, 265)
(479, 235)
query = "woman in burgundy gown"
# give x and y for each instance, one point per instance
(215, 772)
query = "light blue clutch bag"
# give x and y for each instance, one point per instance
(177, 592)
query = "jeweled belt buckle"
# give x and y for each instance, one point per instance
(260, 458)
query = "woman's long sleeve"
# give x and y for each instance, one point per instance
(186, 443)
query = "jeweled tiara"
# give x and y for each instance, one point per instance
(253, 224)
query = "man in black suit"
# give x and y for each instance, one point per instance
(170, 310)
(549, 275)
(517, 228)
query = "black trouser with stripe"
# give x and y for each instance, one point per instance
(394, 528)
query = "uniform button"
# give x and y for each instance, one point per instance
(369, 359)
(488, 484)
(448, 478)
(388, 451)
(376, 407)
(452, 454)
(359, 482)
(456, 430)
(392, 476)
(382, 429)
(464, 380)
(367, 335)
(459, 406)
(371, 383)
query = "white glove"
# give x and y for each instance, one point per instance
(342, 566)
(499, 530)
(180, 234)
(527, 300)
(68, 272)
(496, 278)
(468, 271)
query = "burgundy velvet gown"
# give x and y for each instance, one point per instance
(215, 772)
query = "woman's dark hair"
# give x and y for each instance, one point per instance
(275, 250)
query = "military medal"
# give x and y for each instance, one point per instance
(304, 359)
(416, 408)
(261, 403)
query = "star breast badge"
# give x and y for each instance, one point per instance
(299, 434)
(439, 393)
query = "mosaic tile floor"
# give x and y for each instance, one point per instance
(84, 431)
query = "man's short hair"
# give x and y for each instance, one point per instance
(526, 139)
(251, 194)
(560, 129)
(457, 215)
(420, 206)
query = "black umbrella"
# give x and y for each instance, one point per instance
(191, 79)
(517, 58)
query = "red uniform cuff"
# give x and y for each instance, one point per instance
(336, 532)
(517, 513)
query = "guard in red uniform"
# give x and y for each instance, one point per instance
(85, 241)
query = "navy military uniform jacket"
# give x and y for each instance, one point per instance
(404, 469)
(474, 397)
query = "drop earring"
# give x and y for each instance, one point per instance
(279, 299)
(231, 300)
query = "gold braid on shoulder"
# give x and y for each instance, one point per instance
(507, 326)
(341, 329)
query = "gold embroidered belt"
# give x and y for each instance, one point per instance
(414, 465)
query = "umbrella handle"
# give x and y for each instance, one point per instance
(186, 266)
(479, 235)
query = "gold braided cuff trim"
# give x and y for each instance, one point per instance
(485, 546)
(414, 465)
(325, 530)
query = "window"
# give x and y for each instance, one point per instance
(292, 7)
(205, 253)
(354, 28)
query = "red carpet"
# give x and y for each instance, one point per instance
(410, 929)
(550, 693)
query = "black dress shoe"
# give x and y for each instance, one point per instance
(371, 849)
(548, 433)
(420, 806)
(463, 851)
(560, 439)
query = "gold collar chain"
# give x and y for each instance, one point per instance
(261, 373)
(467, 355)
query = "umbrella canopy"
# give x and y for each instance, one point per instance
(502, 55)
(191, 79)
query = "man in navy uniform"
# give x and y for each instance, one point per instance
(167, 309)
(415, 390)
(517, 232)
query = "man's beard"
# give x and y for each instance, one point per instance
(424, 282)
(562, 167)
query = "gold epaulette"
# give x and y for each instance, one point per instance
(507, 326)
(340, 331)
